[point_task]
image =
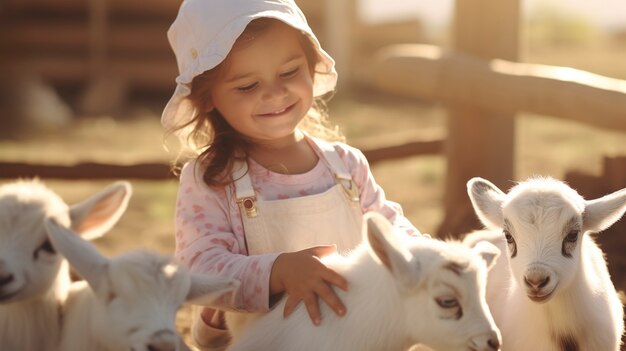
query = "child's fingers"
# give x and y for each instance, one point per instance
(328, 295)
(312, 306)
(322, 250)
(290, 305)
(335, 278)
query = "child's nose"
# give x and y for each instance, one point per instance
(276, 90)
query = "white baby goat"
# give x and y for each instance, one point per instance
(34, 278)
(129, 302)
(403, 291)
(552, 290)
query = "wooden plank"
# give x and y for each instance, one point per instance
(147, 39)
(153, 8)
(156, 73)
(31, 34)
(123, 39)
(312, 8)
(141, 8)
(614, 172)
(339, 18)
(480, 142)
(87, 170)
(425, 72)
(415, 148)
(158, 171)
(98, 31)
(50, 6)
(369, 38)
(54, 68)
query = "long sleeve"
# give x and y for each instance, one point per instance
(210, 240)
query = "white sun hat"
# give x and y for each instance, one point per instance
(203, 34)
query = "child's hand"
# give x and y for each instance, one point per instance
(303, 277)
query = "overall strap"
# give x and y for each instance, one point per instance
(338, 167)
(331, 156)
(246, 198)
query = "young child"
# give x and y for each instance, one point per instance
(267, 194)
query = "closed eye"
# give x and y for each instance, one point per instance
(247, 88)
(290, 73)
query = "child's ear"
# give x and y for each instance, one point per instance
(208, 106)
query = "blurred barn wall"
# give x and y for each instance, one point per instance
(101, 53)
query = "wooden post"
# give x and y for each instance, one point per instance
(105, 91)
(98, 33)
(340, 16)
(480, 143)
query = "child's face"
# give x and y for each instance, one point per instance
(266, 87)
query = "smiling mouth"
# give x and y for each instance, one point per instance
(278, 112)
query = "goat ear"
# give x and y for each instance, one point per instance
(204, 290)
(602, 213)
(488, 251)
(95, 215)
(487, 201)
(387, 248)
(82, 255)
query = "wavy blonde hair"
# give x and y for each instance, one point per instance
(216, 144)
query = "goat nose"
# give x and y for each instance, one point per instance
(486, 342)
(6, 279)
(494, 344)
(536, 281)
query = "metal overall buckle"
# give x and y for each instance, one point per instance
(352, 192)
(248, 205)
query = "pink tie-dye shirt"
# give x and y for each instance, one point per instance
(209, 230)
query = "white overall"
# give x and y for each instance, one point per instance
(331, 217)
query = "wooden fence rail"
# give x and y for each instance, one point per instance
(426, 72)
(162, 171)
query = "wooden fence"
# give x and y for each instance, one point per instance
(498, 88)
(111, 48)
(161, 171)
(479, 80)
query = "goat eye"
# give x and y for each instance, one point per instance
(451, 309)
(46, 246)
(511, 242)
(572, 236)
(569, 243)
(509, 237)
(448, 302)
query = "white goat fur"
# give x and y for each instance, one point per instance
(34, 278)
(128, 302)
(403, 291)
(556, 263)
